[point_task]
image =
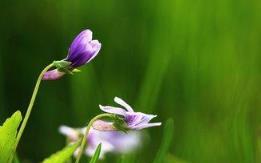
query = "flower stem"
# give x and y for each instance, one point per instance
(84, 139)
(30, 106)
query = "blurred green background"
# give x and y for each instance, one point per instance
(197, 61)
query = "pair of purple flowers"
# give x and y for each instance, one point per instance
(82, 50)
(104, 132)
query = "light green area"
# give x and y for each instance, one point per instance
(166, 142)
(63, 155)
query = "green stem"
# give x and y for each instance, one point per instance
(84, 139)
(30, 107)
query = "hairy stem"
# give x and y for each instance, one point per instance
(84, 139)
(30, 107)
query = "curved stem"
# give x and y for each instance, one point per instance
(30, 106)
(84, 139)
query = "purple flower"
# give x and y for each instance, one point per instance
(82, 50)
(134, 120)
(112, 141)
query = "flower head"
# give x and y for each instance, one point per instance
(112, 141)
(82, 50)
(133, 120)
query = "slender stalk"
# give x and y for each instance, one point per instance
(84, 139)
(30, 107)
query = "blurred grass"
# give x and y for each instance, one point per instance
(195, 61)
(165, 142)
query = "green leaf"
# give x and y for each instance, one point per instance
(166, 142)
(8, 136)
(96, 155)
(63, 155)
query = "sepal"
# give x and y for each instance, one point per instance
(65, 66)
(120, 124)
(62, 64)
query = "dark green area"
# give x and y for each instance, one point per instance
(197, 61)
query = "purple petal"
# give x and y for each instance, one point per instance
(83, 49)
(53, 75)
(132, 118)
(86, 54)
(96, 137)
(123, 142)
(142, 126)
(137, 120)
(146, 118)
(123, 103)
(71, 133)
(113, 110)
(96, 47)
(112, 141)
(78, 43)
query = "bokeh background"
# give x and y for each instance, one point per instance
(196, 61)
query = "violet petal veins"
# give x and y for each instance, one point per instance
(134, 120)
(82, 50)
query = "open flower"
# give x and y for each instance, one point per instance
(82, 50)
(133, 120)
(112, 141)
